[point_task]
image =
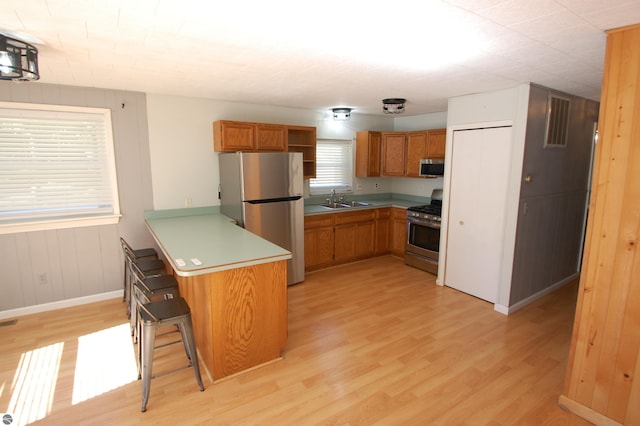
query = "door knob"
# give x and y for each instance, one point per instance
(528, 179)
(462, 222)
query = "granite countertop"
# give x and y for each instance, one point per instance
(211, 238)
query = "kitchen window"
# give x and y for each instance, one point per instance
(334, 166)
(57, 167)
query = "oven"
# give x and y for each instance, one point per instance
(423, 235)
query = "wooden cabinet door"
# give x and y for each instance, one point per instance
(271, 137)
(318, 247)
(234, 136)
(416, 151)
(318, 241)
(345, 242)
(436, 142)
(354, 235)
(393, 153)
(398, 231)
(365, 242)
(368, 153)
(382, 232)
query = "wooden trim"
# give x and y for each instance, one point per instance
(585, 412)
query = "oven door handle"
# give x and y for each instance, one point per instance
(428, 223)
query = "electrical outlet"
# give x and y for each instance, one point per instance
(188, 202)
(376, 186)
(42, 279)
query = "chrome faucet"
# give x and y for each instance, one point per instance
(333, 195)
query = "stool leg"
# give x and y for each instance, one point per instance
(147, 340)
(186, 329)
(126, 287)
(133, 319)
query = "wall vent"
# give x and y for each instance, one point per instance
(557, 121)
(8, 323)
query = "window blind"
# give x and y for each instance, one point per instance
(55, 163)
(334, 166)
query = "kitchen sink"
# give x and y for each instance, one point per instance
(356, 204)
(345, 204)
(336, 205)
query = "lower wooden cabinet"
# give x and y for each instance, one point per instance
(318, 241)
(354, 235)
(335, 238)
(398, 231)
(382, 243)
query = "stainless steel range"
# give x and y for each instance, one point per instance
(423, 234)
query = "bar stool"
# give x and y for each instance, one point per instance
(132, 255)
(165, 312)
(146, 289)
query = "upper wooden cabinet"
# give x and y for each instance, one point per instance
(303, 139)
(424, 144)
(271, 137)
(393, 153)
(416, 151)
(232, 136)
(243, 136)
(368, 153)
(436, 142)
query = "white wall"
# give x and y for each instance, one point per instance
(477, 110)
(50, 268)
(184, 166)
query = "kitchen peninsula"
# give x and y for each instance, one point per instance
(235, 283)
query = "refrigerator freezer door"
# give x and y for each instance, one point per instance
(271, 175)
(282, 223)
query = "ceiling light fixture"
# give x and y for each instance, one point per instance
(18, 60)
(341, 114)
(393, 105)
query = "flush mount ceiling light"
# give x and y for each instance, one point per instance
(341, 114)
(18, 60)
(393, 105)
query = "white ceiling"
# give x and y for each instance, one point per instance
(321, 54)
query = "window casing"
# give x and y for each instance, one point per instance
(334, 167)
(57, 167)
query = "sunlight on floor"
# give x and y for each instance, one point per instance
(34, 383)
(105, 361)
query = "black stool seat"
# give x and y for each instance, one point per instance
(153, 285)
(149, 288)
(144, 252)
(150, 267)
(164, 312)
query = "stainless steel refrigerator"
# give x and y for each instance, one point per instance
(263, 193)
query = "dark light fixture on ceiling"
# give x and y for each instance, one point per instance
(341, 114)
(18, 60)
(393, 105)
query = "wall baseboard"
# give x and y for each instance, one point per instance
(506, 310)
(12, 313)
(586, 413)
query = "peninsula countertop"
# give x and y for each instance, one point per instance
(205, 236)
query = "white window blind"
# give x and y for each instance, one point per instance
(334, 166)
(56, 163)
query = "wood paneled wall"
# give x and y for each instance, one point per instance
(52, 266)
(603, 383)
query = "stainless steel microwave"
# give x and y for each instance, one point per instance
(432, 167)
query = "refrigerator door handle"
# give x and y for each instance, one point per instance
(274, 200)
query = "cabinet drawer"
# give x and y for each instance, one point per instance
(398, 213)
(353, 217)
(318, 221)
(383, 213)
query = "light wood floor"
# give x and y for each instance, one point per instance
(374, 342)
